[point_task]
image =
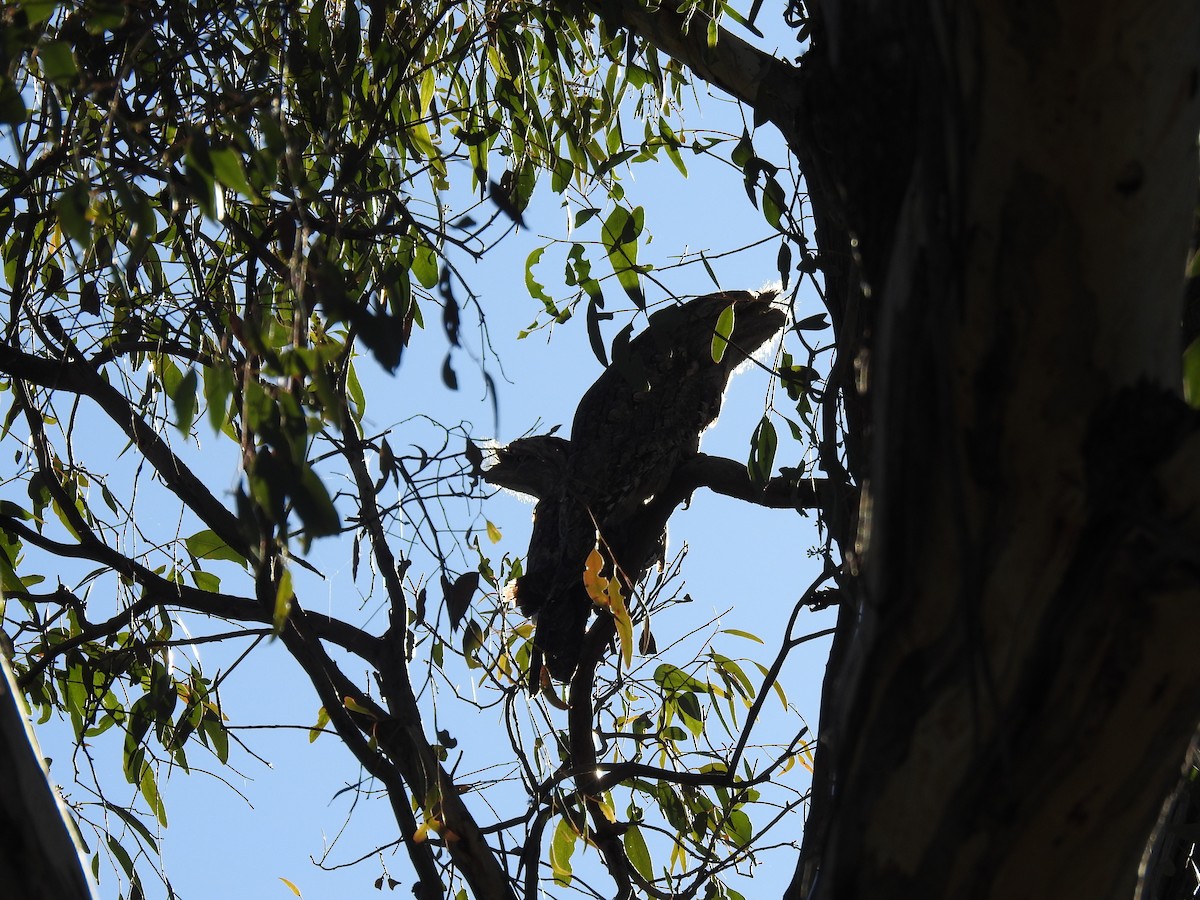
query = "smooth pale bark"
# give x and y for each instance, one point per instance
(41, 857)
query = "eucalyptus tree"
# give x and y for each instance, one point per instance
(215, 215)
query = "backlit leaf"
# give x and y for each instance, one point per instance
(283, 601)
(722, 333)
(623, 621)
(562, 847)
(638, 852)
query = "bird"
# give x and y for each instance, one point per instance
(608, 487)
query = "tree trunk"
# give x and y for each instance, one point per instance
(41, 856)
(1020, 689)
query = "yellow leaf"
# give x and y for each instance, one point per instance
(606, 808)
(322, 721)
(355, 707)
(493, 533)
(806, 758)
(678, 857)
(595, 562)
(596, 586)
(624, 622)
(524, 630)
(283, 601)
(295, 890)
(421, 835)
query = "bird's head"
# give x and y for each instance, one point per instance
(534, 465)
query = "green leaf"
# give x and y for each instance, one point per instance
(355, 392)
(689, 709)
(762, 452)
(536, 290)
(620, 234)
(776, 685)
(218, 388)
(562, 847)
(149, 788)
(200, 180)
(742, 634)
(425, 265)
(38, 11)
(428, 83)
(12, 107)
(738, 828)
(229, 170)
(673, 680)
(472, 643)
(422, 141)
(748, 24)
(743, 152)
(74, 213)
(205, 581)
(584, 215)
(214, 730)
(122, 857)
(283, 601)
(207, 545)
(722, 333)
(676, 158)
(774, 203)
(314, 506)
(737, 675)
(58, 62)
(184, 397)
(638, 852)
(133, 822)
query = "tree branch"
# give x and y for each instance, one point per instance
(333, 689)
(76, 376)
(159, 591)
(729, 477)
(758, 79)
(400, 733)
